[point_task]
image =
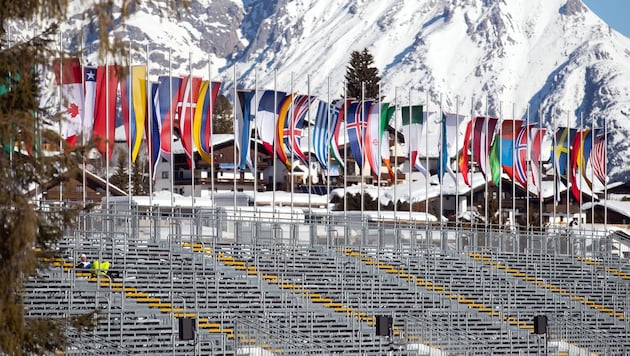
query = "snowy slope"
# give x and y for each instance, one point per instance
(511, 58)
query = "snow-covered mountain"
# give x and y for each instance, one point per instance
(553, 59)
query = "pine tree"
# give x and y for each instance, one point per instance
(223, 121)
(120, 178)
(360, 71)
(27, 232)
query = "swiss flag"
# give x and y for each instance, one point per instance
(69, 77)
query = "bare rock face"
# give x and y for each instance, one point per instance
(572, 7)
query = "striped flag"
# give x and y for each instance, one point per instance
(387, 112)
(152, 131)
(482, 134)
(337, 117)
(134, 112)
(598, 159)
(321, 135)
(372, 139)
(267, 117)
(242, 126)
(186, 106)
(202, 122)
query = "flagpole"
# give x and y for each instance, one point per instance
(592, 177)
(291, 135)
(427, 175)
(605, 175)
(456, 173)
(328, 139)
(308, 134)
(84, 180)
(273, 142)
(378, 169)
(345, 157)
(497, 136)
(567, 171)
(540, 188)
(362, 145)
(170, 92)
(107, 132)
(409, 200)
(527, 170)
(395, 153)
(249, 136)
(191, 126)
(581, 153)
(439, 173)
(150, 131)
(234, 145)
(485, 168)
(513, 222)
(129, 138)
(555, 158)
(473, 221)
(62, 56)
(212, 160)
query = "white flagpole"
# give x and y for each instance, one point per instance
(427, 175)
(470, 171)
(456, 171)
(580, 158)
(345, 155)
(592, 178)
(172, 156)
(568, 167)
(540, 187)
(273, 143)
(485, 167)
(191, 126)
(500, 185)
(362, 145)
(409, 200)
(107, 143)
(212, 160)
(291, 135)
(395, 152)
(234, 146)
(328, 160)
(129, 138)
(84, 180)
(254, 136)
(378, 169)
(308, 135)
(514, 143)
(60, 91)
(556, 162)
(605, 174)
(441, 179)
(150, 130)
(527, 170)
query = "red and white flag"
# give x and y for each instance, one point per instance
(69, 77)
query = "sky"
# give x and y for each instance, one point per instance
(613, 12)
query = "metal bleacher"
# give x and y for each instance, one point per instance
(256, 285)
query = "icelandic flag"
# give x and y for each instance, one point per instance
(356, 124)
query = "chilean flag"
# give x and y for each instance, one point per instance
(70, 79)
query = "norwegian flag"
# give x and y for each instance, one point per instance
(68, 75)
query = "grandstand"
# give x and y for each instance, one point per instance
(254, 283)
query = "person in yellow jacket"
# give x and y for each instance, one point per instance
(99, 267)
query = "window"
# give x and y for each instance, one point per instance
(165, 175)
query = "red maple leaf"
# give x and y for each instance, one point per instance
(73, 110)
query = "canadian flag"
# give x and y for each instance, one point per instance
(69, 78)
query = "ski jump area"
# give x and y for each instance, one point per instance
(202, 278)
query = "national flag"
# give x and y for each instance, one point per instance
(186, 106)
(483, 129)
(202, 122)
(322, 132)
(89, 104)
(465, 154)
(527, 154)
(105, 108)
(166, 99)
(578, 162)
(68, 75)
(561, 160)
(283, 126)
(372, 139)
(134, 87)
(152, 130)
(292, 137)
(266, 117)
(587, 147)
(448, 142)
(413, 119)
(356, 125)
(337, 117)
(242, 126)
(598, 159)
(502, 149)
(387, 112)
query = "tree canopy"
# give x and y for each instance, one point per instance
(27, 232)
(361, 73)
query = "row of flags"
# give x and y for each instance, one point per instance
(152, 111)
